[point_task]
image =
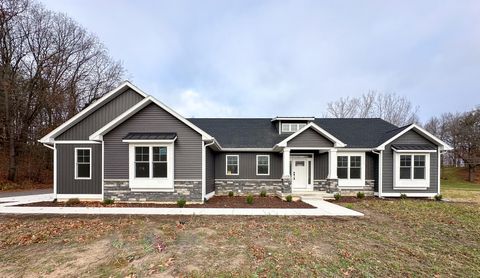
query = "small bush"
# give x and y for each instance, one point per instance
(73, 201)
(403, 196)
(337, 196)
(360, 195)
(349, 206)
(289, 198)
(181, 202)
(230, 194)
(108, 201)
(250, 199)
(55, 201)
(438, 197)
(263, 193)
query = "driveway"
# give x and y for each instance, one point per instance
(25, 192)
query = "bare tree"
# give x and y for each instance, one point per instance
(390, 107)
(50, 68)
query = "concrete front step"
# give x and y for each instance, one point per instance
(314, 195)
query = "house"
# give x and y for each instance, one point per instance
(129, 146)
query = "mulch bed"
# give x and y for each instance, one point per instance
(351, 199)
(215, 202)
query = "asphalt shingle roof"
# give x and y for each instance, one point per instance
(413, 147)
(262, 133)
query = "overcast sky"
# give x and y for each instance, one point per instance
(267, 58)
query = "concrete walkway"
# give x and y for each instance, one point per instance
(323, 208)
(4, 194)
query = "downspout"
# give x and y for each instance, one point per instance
(204, 168)
(380, 171)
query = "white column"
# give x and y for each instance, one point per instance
(286, 163)
(332, 164)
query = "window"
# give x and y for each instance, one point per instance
(412, 170)
(292, 127)
(142, 162)
(263, 164)
(355, 167)
(232, 164)
(351, 168)
(83, 164)
(159, 162)
(342, 167)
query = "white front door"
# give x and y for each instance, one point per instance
(299, 173)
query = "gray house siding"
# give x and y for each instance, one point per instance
(411, 137)
(66, 183)
(248, 166)
(320, 165)
(101, 116)
(210, 170)
(188, 146)
(310, 138)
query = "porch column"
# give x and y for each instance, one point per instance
(286, 163)
(332, 164)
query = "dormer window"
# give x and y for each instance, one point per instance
(292, 127)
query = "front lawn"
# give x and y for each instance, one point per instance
(395, 238)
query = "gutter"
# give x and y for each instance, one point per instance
(204, 169)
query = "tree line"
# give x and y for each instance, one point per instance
(50, 68)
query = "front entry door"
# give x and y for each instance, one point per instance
(299, 173)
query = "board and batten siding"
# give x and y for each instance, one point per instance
(320, 165)
(210, 170)
(248, 166)
(187, 147)
(101, 116)
(66, 183)
(309, 138)
(410, 137)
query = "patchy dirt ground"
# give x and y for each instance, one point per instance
(215, 202)
(395, 238)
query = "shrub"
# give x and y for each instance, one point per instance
(73, 201)
(349, 206)
(181, 202)
(230, 194)
(250, 199)
(438, 197)
(360, 195)
(108, 201)
(263, 193)
(337, 196)
(403, 196)
(289, 198)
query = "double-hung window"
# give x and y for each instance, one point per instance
(83, 163)
(151, 166)
(263, 165)
(232, 167)
(412, 170)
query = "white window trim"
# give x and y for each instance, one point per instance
(151, 183)
(226, 165)
(348, 182)
(268, 165)
(411, 183)
(76, 164)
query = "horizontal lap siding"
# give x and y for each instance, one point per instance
(66, 183)
(248, 166)
(310, 138)
(103, 115)
(188, 146)
(411, 137)
(210, 170)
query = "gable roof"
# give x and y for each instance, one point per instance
(262, 133)
(333, 139)
(50, 137)
(418, 129)
(98, 135)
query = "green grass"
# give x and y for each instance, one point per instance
(454, 185)
(396, 238)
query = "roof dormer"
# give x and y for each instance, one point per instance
(289, 125)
